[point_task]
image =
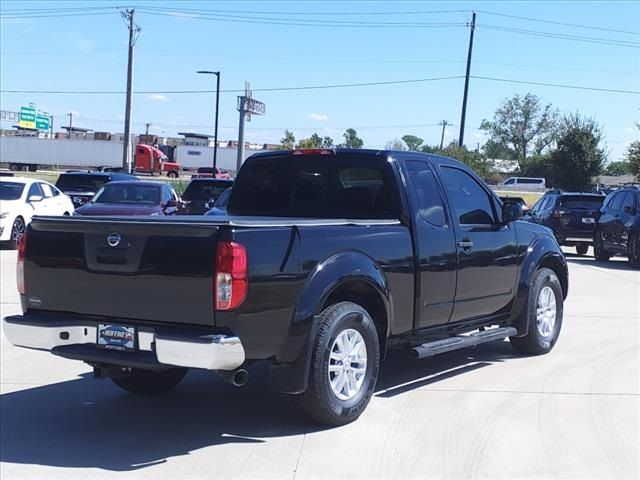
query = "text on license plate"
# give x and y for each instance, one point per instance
(116, 337)
(588, 220)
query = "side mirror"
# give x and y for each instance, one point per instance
(511, 211)
(34, 198)
(171, 203)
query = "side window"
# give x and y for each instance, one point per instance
(616, 202)
(35, 190)
(628, 200)
(511, 181)
(55, 191)
(469, 200)
(430, 206)
(166, 195)
(47, 190)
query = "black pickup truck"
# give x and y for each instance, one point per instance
(327, 259)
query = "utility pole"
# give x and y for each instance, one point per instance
(444, 124)
(70, 115)
(134, 30)
(215, 131)
(466, 81)
(147, 130)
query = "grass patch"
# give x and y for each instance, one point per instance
(530, 198)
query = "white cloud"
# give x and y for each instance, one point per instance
(320, 117)
(157, 97)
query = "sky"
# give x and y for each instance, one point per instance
(300, 43)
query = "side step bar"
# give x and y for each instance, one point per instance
(457, 342)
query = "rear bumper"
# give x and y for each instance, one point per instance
(156, 346)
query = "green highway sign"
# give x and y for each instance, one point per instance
(43, 122)
(30, 119)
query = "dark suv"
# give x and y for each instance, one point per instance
(571, 216)
(618, 226)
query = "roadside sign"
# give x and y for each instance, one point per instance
(27, 117)
(254, 106)
(43, 122)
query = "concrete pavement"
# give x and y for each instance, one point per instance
(487, 412)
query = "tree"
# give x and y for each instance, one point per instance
(327, 142)
(395, 144)
(413, 142)
(288, 141)
(475, 160)
(521, 126)
(314, 141)
(633, 157)
(617, 168)
(578, 157)
(351, 139)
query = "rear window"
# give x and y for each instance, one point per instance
(582, 202)
(11, 190)
(532, 181)
(205, 190)
(81, 183)
(316, 186)
(115, 193)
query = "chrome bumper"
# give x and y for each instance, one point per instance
(210, 352)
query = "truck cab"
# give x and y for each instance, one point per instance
(149, 159)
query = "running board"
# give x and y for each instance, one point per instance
(457, 342)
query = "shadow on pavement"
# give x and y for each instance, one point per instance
(621, 264)
(89, 423)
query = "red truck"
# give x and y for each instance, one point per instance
(149, 159)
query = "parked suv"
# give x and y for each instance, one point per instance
(618, 227)
(81, 186)
(571, 216)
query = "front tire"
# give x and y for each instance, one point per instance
(600, 254)
(544, 315)
(172, 174)
(150, 382)
(634, 250)
(344, 365)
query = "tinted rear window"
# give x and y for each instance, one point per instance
(316, 186)
(581, 202)
(11, 190)
(205, 190)
(117, 193)
(81, 183)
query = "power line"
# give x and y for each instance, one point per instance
(562, 36)
(87, 14)
(323, 87)
(553, 22)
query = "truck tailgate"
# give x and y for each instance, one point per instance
(123, 268)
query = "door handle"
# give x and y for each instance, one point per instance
(465, 244)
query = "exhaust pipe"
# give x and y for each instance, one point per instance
(238, 377)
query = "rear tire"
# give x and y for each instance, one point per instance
(172, 174)
(544, 315)
(582, 248)
(600, 254)
(634, 250)
(149, 382)
(340, 382)
(17, 229)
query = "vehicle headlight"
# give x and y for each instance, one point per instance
(4, 214)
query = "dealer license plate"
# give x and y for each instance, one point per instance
(588, 220)
(116, 337)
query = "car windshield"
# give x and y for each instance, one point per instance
(141, 194)
(199, 190)
(582, 202)
(11, 190)
(81, 183)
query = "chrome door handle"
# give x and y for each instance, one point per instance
(465, 244)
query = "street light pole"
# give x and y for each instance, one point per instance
(215, 131)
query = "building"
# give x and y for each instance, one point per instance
(195, 139)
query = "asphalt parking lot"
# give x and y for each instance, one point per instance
(574, 413)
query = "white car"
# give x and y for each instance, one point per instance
(22, 198)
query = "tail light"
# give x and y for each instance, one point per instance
(231, 276)
(558, 213)
(22, 248)
(314, 151)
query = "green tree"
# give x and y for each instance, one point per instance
(579, 157)
(617, 168)
(327, 142)
(395, 144)
(315, 141)
(288, 141)
(351, 139)
(413, 142)
(633, 156)
(475, 160)
(521, 126)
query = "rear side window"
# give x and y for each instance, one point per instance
(531, 181)
(511, 181)
(46, 189)
(470, 201)
(35, 189)
(616, 201)
(581, 202)
(316, 186)
(430, 206)
(628, 200)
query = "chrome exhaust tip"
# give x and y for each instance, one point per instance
(238, 377)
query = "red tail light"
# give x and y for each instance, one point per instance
(314, 151)
(22, 248)
(231, 276)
